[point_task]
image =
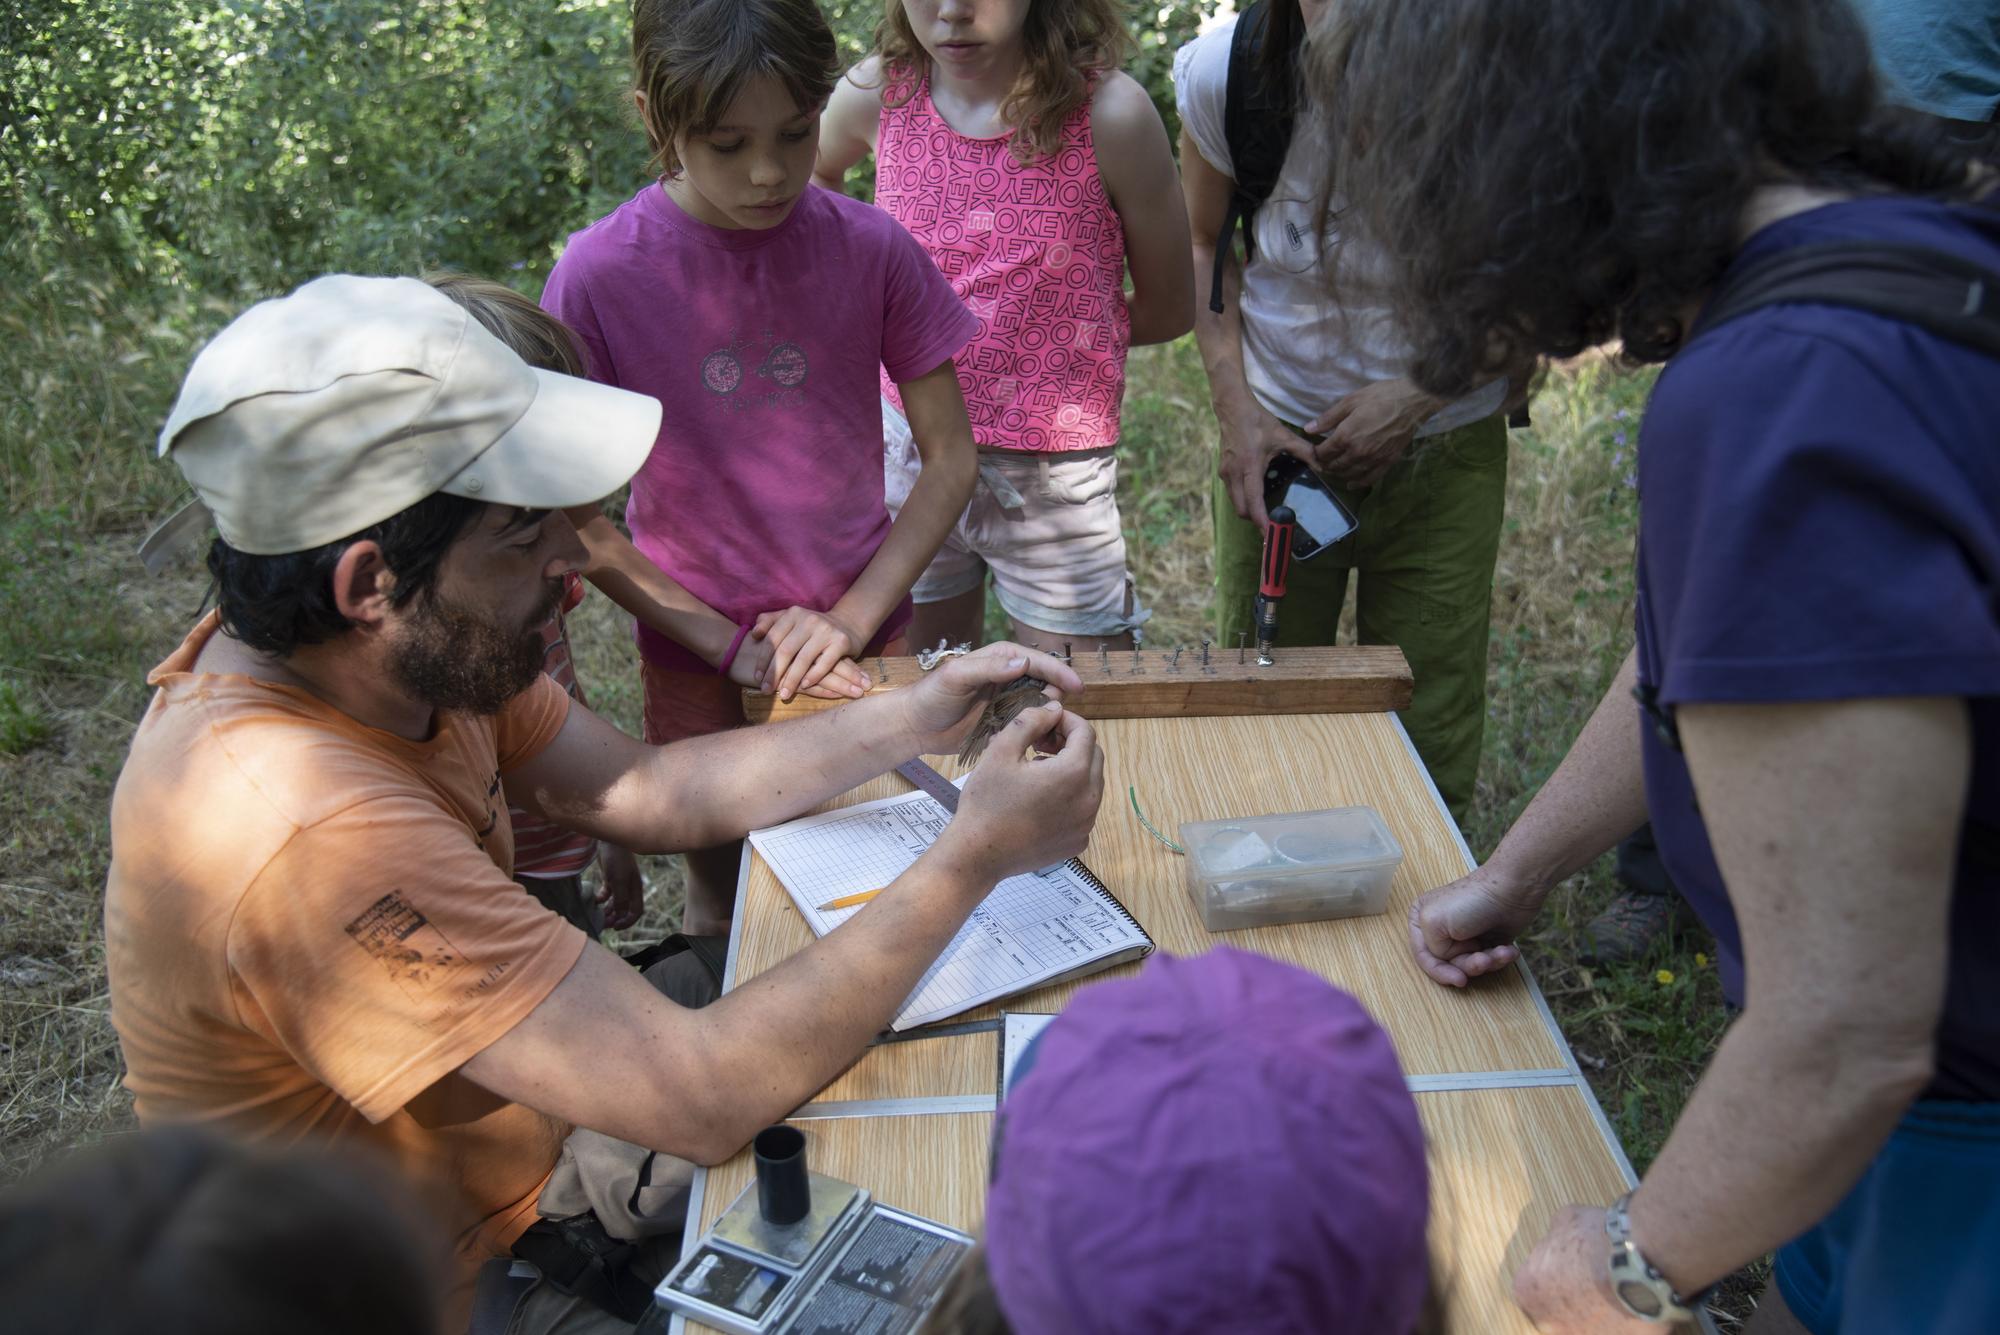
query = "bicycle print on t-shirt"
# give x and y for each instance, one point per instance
(757, 370)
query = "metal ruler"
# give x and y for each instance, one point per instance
(930, 781)
(946, 793)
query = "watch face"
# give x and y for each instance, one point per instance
(1642, 1300)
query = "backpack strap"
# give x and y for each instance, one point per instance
(579, 1258)
(1257, 116)
(710, 951)
(1933, 289)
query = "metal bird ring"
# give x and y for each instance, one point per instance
(930, 658)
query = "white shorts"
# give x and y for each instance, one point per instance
(1047, 528)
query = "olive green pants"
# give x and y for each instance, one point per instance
(1429, 532)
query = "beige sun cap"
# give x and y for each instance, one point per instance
(318, 414)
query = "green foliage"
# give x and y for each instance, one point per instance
(1166, 459)
(252, 144)
(90, 358)
(1157, 32)
(241, 146)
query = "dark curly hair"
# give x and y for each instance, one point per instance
(1545, 175)
(279, 604)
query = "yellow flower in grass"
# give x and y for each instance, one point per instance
(1700, 960)
(1663, 977)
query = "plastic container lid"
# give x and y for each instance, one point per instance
(1281, 844)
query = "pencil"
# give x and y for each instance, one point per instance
(849, 901)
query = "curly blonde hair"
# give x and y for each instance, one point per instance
(1069, 45)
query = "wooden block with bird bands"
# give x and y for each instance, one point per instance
(1151, 683)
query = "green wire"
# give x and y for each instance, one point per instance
(1132, 791)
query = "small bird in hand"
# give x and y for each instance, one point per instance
(1017, 695)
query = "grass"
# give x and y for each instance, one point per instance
(89, 366)
(23, 725)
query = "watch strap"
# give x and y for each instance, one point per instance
(1637, 1284)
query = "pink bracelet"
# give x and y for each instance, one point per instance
(730, 657)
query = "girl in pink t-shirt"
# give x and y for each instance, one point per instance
(1034, 173)
(760, 310)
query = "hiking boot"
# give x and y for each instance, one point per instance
(1629, 925)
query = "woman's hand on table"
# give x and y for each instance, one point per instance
(1461, 931)
(1565, 1284)
(751, 668)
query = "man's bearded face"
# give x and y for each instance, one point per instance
(453, 657)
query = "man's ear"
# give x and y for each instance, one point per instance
(363, 584)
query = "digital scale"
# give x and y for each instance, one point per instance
(839, 1263)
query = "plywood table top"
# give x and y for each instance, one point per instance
(1191, 769)
(1514, 1130)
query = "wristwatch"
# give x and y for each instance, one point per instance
(1640, 1288)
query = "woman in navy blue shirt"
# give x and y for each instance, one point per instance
(1818, 617)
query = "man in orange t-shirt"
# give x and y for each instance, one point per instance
(311, 929)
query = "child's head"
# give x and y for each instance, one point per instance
(1060, 47)
(731, 92)
(180, 1229)
(530, 333)
(1223, 1116)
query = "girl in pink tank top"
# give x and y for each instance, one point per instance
(1037, 253)
(1034, 173)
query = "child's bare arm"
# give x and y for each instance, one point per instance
(626, 576)
(1137, 167)
(630, 579)
(623, 896)
(806, 641)
(943, 434)
(848, 126)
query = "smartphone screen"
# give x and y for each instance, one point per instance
(1319, 514)
(1321, 519)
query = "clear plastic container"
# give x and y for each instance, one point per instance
(1299, 866)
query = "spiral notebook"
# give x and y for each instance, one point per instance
(1041, 927)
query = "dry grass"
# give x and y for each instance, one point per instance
(1166, 460)
(99, 623)
(87, 369)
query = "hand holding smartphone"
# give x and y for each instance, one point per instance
(1321, 520)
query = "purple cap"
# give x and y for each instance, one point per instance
(1221, 1143)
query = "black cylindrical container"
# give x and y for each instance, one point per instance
(783, 1192)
